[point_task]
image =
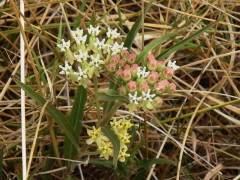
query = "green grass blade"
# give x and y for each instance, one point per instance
(183, 42)
(133, 32)
(107, 131)
(156, 43)
(57, 115)
(76, 118)
(79, 17)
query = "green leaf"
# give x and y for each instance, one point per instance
(76, 118)
(107, 131)
(156, 43)
(147, 163)
(133, 32)
(101, 162)
(57, 115)
(183, 42)
(112, 95)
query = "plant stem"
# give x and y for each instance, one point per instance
(108, 116)
(97, 98)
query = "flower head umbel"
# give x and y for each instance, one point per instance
(95, 61)
(134, 98)
(82, 56)
(172, 65)
(112, 33)
(106, 149)
(67, 69)
(78, 36)
(64, 46)
(122, 154)
(94, 31)
(147, 96)
(142, 73)
(96, 136)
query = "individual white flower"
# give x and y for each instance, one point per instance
(147, 96)
(65, 69)
(116, 48)
(94, 30)
(82, 56)
(112, 33)
(133, 98)
(172, 65)
(99, 44)
(141, 72)
(64, 46)
(82, 74)
(95, 61)
(78, 36)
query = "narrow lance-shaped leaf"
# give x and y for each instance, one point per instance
(133, 32)
(107, 131)
(156, 43)
(57, 115)
(183, 42)
(76, 118)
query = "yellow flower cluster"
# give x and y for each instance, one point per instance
(120, 128)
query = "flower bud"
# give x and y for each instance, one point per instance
(127, 66)
(172, 87)
(122, 62)
(126, 75)
(115, 58)
(168, 73)
(152, 64)
(111, 67)
(150, 57)
(118, 74)
(160, 66)
(161, 86)
(124, 53)
(152, 77)
(122, 91)
(132, 86)
(131, 58)
(157, 102)
(134, 69)
(143, 87)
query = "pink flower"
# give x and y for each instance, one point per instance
(126, 75)
(121, 62)
(172, 87)
(168, 72)
(124, 53)
(115, 58)
(150, 57)
(134, 69)
(144, 87)
(157, 102)
(152, 77)
(122, 91)
(160, 65)
(111, 67)
(152, 64)
(118, 74)
(132, 86)
(127, 66)
(131, 58)
(161, 86)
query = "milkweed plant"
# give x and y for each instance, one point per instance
(141, 85)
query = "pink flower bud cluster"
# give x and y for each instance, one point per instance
(144, 86)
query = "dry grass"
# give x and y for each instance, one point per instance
(209, 77)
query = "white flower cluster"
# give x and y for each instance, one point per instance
(64, 46)
(146, 96)
(141, 72)
(172, 65)
(134, 98)
(89, 57)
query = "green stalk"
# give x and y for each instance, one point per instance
(107, 118)
(97, 98)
